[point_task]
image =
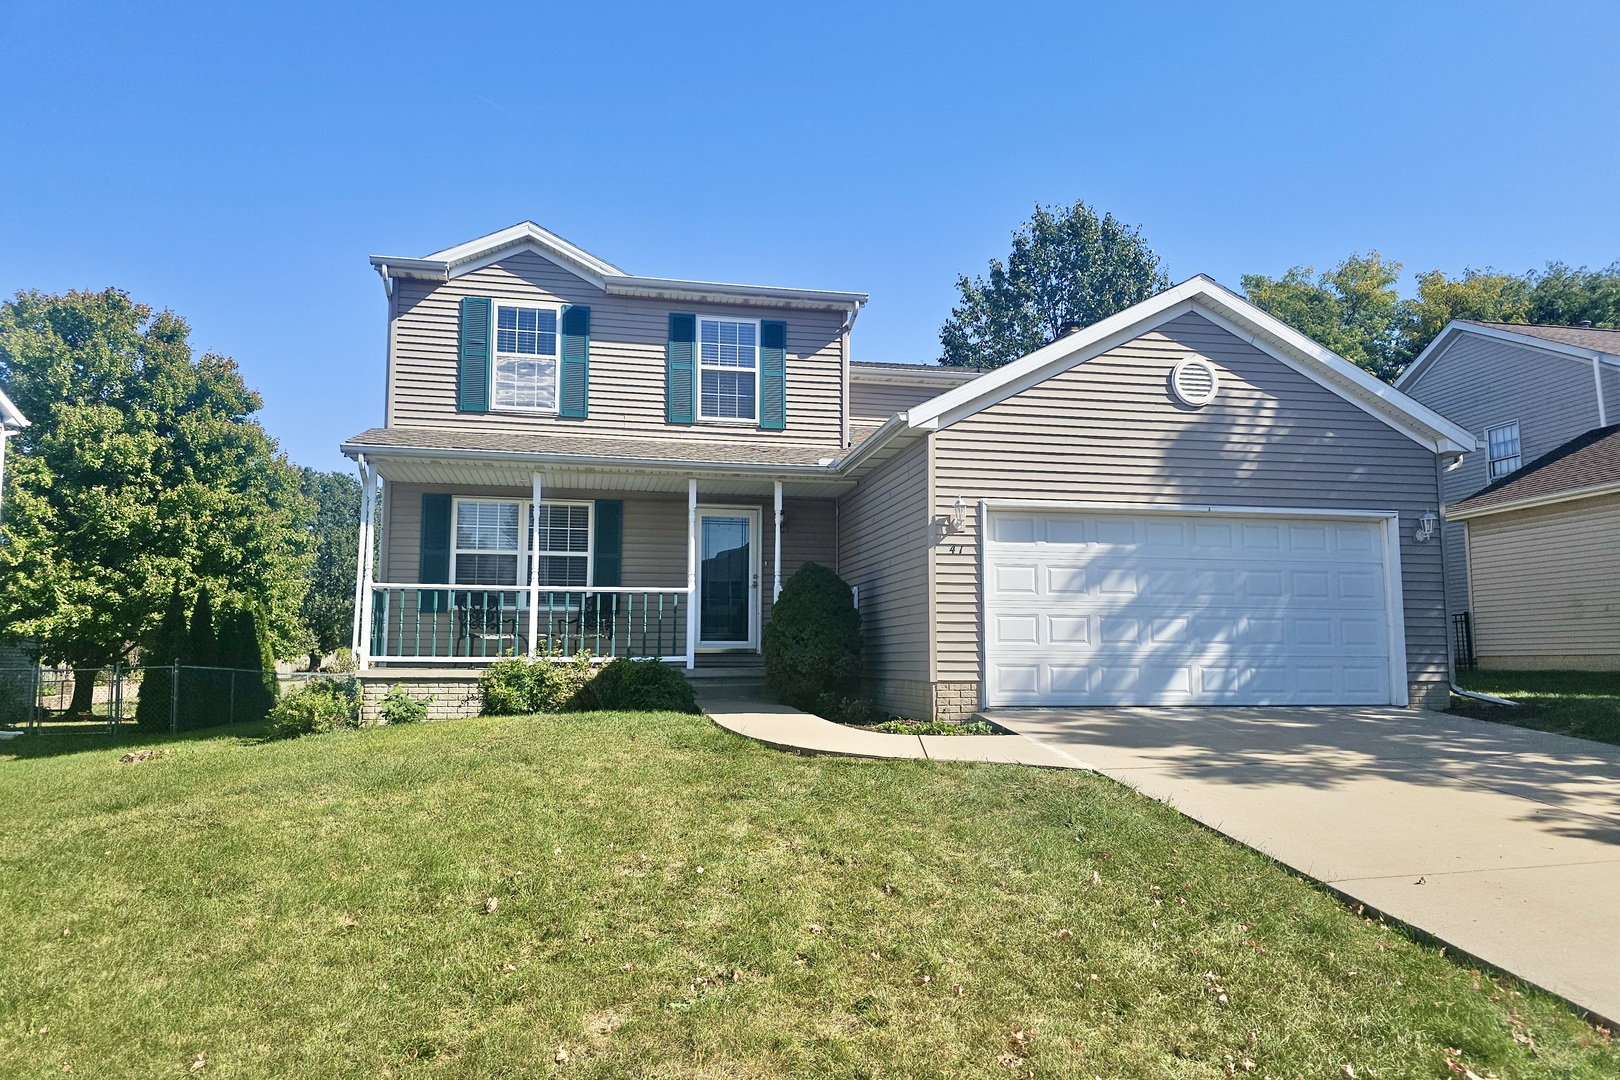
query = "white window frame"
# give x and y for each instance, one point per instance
(1491, 475)
(495, 355)
(698, 369)
(525, 544)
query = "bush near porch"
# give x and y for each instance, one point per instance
(628, 894)
(519, 686)
(812, 645)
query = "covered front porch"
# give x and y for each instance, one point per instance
(465, 560)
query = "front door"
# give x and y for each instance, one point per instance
(728, 579)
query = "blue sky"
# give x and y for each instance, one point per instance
(238, 164)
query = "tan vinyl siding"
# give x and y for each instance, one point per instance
(883, 533)
(1109, 431)
(875, 402)
(654, 544)
(1481, 383)
(1546, 582)
(628, 338)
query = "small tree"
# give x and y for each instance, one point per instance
(812, 645)
(245, 648)
(155, 708)
(204, 691)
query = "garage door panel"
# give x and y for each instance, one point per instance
(1149, 609)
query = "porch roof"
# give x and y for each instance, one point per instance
(438, 456)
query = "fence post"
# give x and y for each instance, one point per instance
(33, 712)
(174, 700)
(230, 713)
(117, 697)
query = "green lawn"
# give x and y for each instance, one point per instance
(657, 897)
(1585, 704)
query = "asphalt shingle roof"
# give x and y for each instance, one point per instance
(1582, 337)
(1587, 461)
(509, 442)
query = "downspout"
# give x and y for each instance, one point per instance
(388, 347)
(843, 399)
(1490, 698)
(1597, 384)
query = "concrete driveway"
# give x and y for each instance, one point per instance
(1503, 842)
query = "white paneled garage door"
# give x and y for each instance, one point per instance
(1107, 608)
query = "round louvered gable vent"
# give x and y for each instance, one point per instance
(1194, 382)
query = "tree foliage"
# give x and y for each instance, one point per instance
(1068, 267)
(334, 532)
(143, 472)
(1356, 310)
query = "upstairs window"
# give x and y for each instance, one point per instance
(728, 369)
(1502, 448)
(525, 358)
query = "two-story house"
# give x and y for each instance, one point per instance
(1188, 502)
(1532, 530)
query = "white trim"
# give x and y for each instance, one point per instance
(691, 573)
(495, 355)
(698, 369)
(536, 499)
(524, 551)
(1394, 600)
(365, 564)
(755, 552)
(11, 416)
(1518, 436)
(925, 374)
(1532, 501)
(1448, 334)
(1188, 397)
(1234, 314)
(1597, 387)
(776, 536)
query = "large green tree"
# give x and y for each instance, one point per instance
(1353, 309)
(1481, 295)
(1561, 296)
(143, 471)
(328, 610)
(1068, 268)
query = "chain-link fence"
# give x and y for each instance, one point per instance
(168, 697)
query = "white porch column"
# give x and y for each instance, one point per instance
(364, 567)
(691, 574)
(776, 559)
(359, 559)
(534, 568)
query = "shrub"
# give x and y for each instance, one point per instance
(813, 643)
(636, 686)
(342, 661)
(16, 696)
(518, 686)
(398, 707)
(847, 710)
(319, 707)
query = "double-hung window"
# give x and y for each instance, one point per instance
(491, 544)
(1502, 449)
(728, 369)
(525, 357)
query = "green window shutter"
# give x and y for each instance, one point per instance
(434, 567)
(607, 546)
(680, 368)
(576, 361)
(474, 396)
(772, 375)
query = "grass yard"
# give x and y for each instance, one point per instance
(1585, 704)
(606, 895)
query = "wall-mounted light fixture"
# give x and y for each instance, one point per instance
(1428, 525)
(958, 515)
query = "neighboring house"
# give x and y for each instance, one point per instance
(1188, 502)
(1544, 555)
(11, 421)
(1524, 392)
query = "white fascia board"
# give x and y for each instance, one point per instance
(394, 266)
(716, 292)
(1234, 314)
(923, 376)
(1457, 327)
(1531, 502)
(374, 452)
(892, 428)
(528, 231)
(10, 415)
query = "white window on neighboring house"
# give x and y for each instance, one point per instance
(491, 544)
(525, 357)
(728, 369)
(1502, 449)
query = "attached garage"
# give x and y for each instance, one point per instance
(1103, 607)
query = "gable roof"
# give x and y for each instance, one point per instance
(1587, 465)
(1572, 342)
(11, 417)
(452, 262)
(872, 371)
(1221, 306)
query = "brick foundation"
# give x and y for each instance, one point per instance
(955, 700)
(451, 695)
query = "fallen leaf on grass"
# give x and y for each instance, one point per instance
(1459, 1069)
(1065, 935)
(1096, 878)
(561, 1056)
(1348, 1072)
(490, 904)
(1009, 1061)
(199, 1063)
(1018, 1038)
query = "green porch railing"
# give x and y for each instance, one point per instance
(450, 624)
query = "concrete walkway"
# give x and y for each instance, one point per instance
(787, 728)
(1501, 842)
